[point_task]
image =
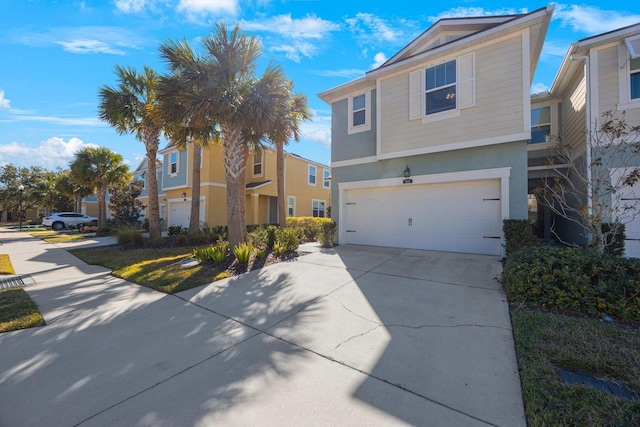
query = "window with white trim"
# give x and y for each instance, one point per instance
(634, 76)
(318, 208)
(325, 178)
(312, 175)
(442, 90)
(257, 163)
(540, 125)
(359, 113)
(291, 206)
(173, 163)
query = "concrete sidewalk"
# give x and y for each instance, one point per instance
(346, 336)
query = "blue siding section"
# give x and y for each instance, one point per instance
(354, 146)
(179, 180)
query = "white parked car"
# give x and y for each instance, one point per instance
(60, 220)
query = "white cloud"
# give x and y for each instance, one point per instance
(294, 37)
(197, 8)
(379, 59)
(130, 6)
(4, 102)
(345, 73)
(591, 20)
(89, 46)
(369, 27)
(309, 27)
(321, 136)
(551, 48)
(109, 40)
(538, 88)
(51, 152)
(65, 121)
(464, 12)
(295, 50)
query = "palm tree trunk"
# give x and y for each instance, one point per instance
(151, 143)
(282, 216)
(194, 221)
(101, 194)
(235, 164)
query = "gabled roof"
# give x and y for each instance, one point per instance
(144, 165)
(570, 65)
(451, 34)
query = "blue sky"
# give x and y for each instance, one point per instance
(56, 54)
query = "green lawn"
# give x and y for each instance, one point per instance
(607, 351)
(5, 265)
(18, 311)
(157, 268)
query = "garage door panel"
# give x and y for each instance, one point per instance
(460, 216)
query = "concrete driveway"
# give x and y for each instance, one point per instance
(347, 336)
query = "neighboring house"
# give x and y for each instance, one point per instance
(598, 74)
(307, 187)
(142, 174)
(429, 150)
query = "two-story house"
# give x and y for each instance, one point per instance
(307, 186)
(429, 150)
(598, 74)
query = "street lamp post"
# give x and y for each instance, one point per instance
(20, 191)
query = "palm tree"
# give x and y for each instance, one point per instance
(131, 107)
(291, 113)
(180, 108)
(98, 168)
(226, 94)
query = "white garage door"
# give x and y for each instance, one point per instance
(457, 217)
(180, 212)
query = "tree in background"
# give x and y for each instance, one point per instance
(131, 107)
(584, 191)
(123, 202)
(99, 168)
(70, 186)
(290, 113)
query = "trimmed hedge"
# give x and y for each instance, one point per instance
(518, 233)
(310, 225)
(574, 281)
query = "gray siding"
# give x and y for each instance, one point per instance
(354, 146)
(512, 155)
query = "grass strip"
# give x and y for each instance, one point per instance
(5, 265)
(546, 342)
(155, 268)
(18, 311)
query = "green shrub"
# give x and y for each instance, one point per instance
(177, 230)
(219, 252)
(182, 240)
(574, 281)
(203, 254)
(310, 225)
(130, 236)
(243, 252)
(271, 235)
(286, 240)
(326, 233)
(518, 233)
(258, 238)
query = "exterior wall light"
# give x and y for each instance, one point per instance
(407, 172)
(184, 196)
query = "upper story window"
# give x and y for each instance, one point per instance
(442, 90)
(312, 175)
(359, 113)
(173, 163)
(257, 163)
(143, 179)
(325, 178)
(540, 125)
(634, 68)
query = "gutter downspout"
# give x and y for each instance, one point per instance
(587, 76)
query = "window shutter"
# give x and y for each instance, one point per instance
(466, 81)
(416, 94)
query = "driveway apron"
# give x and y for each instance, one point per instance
(343, 336)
